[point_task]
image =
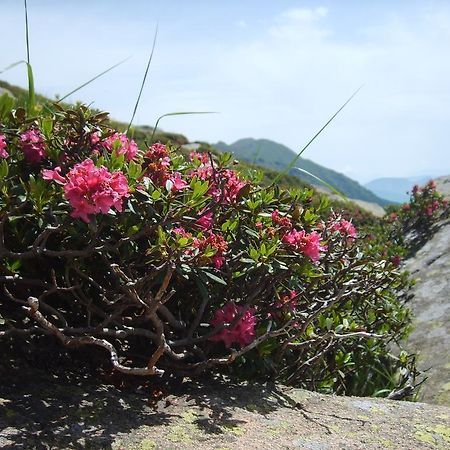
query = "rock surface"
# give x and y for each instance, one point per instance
(44, 412)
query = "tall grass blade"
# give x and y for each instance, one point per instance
(143, 80)
(92, 79)
(177, 114)
(12, 66)
(26, 32)
(31, 92)
(292, 163)
(344, 197)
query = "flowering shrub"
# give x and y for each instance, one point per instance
(182, 264)
(407, 227)
(425, 208)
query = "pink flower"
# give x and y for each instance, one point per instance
(231, 187)
(54, 174)
(396, 260)
(206, 221)
(91, 190)
(308, 244)
(215, 242)
(177, 182)
(431, 185)
(3, 152)
(181, 232)
(200, 156)
(345, 228)
(157, 151)
(95, 138)
(33, 146)
(415, 189)
(157, 161)
(242, 333)
(277, 219)
(119, 143)
(224, 185)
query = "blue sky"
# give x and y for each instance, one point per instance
(273, 70)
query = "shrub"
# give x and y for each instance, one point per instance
(183, 265)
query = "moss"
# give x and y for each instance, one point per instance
(387, 443)
(376, 410)
(425, 436)
(437, 435)
(189, 417)
(179, 433)
(235, 429)
(147, 444)
(443, 431)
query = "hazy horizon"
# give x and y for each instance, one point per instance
(273, 70)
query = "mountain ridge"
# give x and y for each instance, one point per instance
(395, 188)
(268, 153)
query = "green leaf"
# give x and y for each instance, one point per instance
(47, 126)
(156, 194)
(215, 278)
(4, 169)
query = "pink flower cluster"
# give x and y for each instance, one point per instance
(3, 152)
(158, 168)
(346, 228)
(33, 146)
(308, 244)
(242, 333)
(202, 157)
(216, 242)
(212, 241)
(224, 184)
(279, 220)
(205, 222)
(90, 189)
(121, 144)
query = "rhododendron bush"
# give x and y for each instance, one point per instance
(179, 264)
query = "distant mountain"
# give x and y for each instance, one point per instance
(267, 153)
(395, 189)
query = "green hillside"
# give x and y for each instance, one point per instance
(267, 153)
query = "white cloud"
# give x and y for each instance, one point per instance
(304, 14)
